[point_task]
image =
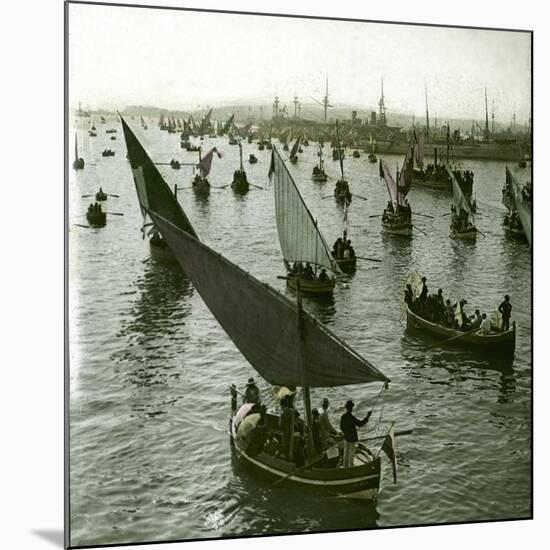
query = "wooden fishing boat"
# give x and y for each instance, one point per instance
(347, 264)
(397, 216)
(200, 185)
(100, 196)
(467, 235)
(293, 159)
(175, 164)
(342, 192)
(503, 341)
(107, 153)
(240, 182)
(252, 159)
(78, 163)
(319, 175)
(113, 137)
(110, 131)
(356, 154)
(462, 217)
(91, 133)
(372, 158)
(308, 354)
(261, 146)
(301, 241)
(96, 218)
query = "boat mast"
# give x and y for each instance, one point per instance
(339, 151)
(427, 115)
(241, 154)
(303, 370)
(75, 146)
(486, 117)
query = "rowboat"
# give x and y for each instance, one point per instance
(240, 182)
(78, 163)
(468, 235)
(402, 229)
(342, 191)
(462, 217)
(495, 341)
(319, 174)
(100, 196)
(97, 218)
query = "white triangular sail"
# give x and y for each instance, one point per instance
(301, 240)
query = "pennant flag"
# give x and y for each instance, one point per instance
(389, 448)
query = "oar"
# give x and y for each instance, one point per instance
(259, 187)
(418, 229)
(446, 214)
(359, 196)
(327, 197)
(115, 213)
(368, 259)
(305, 466)
(146, 260)
(481, 232)
(81, 225)
(425, 215)
(112, 195)
(451, 339)
(87, 196)
(376, 215)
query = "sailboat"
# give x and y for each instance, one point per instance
(200, 184)
(294, 151)
(342, 192)
(153, 193)
(143, 124)
(342, 252)
(240, 182)
(520, 202)
(78, 163)
(299, 236)
(289, 347)
(319, 173)
(462, 218)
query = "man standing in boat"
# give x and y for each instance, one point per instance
(252, 393)
(326, 429)
(348, 425)
(505, 309)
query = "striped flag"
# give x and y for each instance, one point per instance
(389, 448)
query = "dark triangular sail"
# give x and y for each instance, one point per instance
(262, 322)
(406, 175)
(460, 200)
(153, 192)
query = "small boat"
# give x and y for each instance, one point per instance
(462, 224)
(293, 216)
(342, 191)
(252, 159)
(175, 164)
(78, 162)
(240, 182)
(342, 251)
(107, 153)
(397, 216)
(113, 137)
(95, 216)
(93, 128)
(336, 156)
(200, 184)
(356, 154)
(268, 146)
(110, 131)
(100, 195)
(372, 158)
(261, 146)
(91, 133)
(285, 147)
(319, 174)
(233, 141)
(495, 341)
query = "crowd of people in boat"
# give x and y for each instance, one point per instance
(342, 189)
(432, 170)
(398, 215)
(465, 178)
(342, 248)
(306, 272)
(95, 209)
(286, 438)
(436, 309)
(460, 222)
(512, 221)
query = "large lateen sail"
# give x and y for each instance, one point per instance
(521, 203)
(262, 322)
(406, 175)
(395, 195)
(301, 240)
(153, 192)
(459, 199)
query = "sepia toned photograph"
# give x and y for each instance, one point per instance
(299, 274)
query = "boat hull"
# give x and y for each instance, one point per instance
(312, 286)
(347, 264)
(401, 229)
(360, 481)
(464, 235)
(498, 341)
(319, 178)
(97, 220)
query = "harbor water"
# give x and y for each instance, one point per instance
(150, 458)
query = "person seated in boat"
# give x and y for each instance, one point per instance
(308, 272)
(327, 432)
(423, 293)
(286, 426)
(476, 320)
(465, 321)
(316, 431)
(90, 208)
(485, 327)
(252, 392)
(505, 309)
(337, 248)
(351, 250)
(348, 425)
(389, 207)
(323, 275)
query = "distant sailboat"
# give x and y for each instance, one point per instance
(305, 252)
(462, 217)
(319, 173)
(240, 182)
(78, 163)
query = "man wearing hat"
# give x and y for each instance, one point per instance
(252, 393)
(348, 425)
(505, 309)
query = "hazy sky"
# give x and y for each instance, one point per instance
(182, 60)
